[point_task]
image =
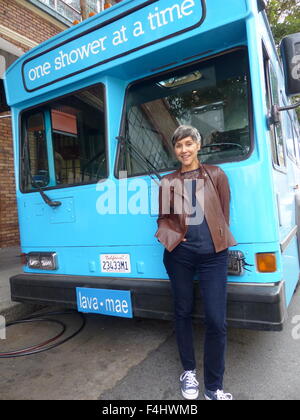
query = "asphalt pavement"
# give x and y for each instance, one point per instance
(136, 359)
(124, 359)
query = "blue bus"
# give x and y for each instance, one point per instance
(93, 111)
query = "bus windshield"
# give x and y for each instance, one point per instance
(213, 96)
(63, 142)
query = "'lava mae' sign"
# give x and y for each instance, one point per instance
(146, 24)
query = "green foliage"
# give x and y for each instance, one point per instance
(284, 17)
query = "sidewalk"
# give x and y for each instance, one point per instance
(10, 264)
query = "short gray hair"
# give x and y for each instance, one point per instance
(184, 131)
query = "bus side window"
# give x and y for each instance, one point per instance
(272, 98)
(35, 170)
(296, 130)
(277, 130)
(291, 138)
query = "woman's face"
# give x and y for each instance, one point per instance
(186, 151)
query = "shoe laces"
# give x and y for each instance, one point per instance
(222, 396)
(189, 376)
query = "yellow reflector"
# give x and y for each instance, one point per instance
(266, 262)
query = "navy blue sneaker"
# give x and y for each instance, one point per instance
(217, 395)
(189, 385)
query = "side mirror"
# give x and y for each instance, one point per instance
(290, 52)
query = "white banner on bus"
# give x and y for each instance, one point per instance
(147, 23)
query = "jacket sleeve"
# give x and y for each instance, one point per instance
(224, 193)
(169, 234)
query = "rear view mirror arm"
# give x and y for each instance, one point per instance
(275, 116)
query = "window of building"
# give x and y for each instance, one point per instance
(3, 104)
(64, 10)
(7, 57)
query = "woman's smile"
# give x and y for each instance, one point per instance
(186, 151)
(186, 157)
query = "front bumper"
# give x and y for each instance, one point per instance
(250, 305)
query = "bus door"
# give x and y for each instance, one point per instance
(63, 148)
(284, 161)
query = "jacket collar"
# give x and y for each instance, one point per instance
(202, 172)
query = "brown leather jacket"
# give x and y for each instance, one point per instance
(172, 226)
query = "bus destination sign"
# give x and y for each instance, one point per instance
(148, 23)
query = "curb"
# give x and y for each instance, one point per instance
(13, 311)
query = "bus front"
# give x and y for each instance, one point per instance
(93, 111)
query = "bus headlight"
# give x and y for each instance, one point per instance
(42, 260)
(236, 263)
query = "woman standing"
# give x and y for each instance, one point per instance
(193, 227)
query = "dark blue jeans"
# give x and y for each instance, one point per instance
(181, 265)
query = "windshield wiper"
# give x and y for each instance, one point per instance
(139, 156)
(45, 197)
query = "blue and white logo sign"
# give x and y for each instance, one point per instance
(104, 301)
(148, 23)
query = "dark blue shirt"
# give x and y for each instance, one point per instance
(198, 237)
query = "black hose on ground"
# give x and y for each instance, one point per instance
(44, 346)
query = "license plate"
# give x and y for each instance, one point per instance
(104, 301)
(115, 263)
